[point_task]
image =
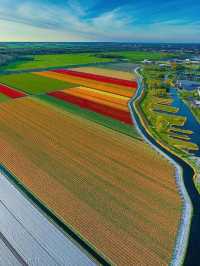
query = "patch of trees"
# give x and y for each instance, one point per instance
(5, 59)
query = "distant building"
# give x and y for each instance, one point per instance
(197, 103)
(164, 65)
(146, 61)
(187, 60)
(179, 84)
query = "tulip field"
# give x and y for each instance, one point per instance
(105, 103)
(106, 72)
(108, 87)
(113, 190)
(100, 78)
(10, 92)
(70, 139)
(105, 95)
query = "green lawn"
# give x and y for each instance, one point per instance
(34, 84)
(92, 116)
(139, 56)
(3, 98)
(55, 60)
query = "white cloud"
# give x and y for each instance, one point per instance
(47, 22)
(70, 20)
(14, 31)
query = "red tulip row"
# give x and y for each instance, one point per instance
(101, 78)
(10, 92)
(99, 108)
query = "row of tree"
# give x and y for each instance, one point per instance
(5, 59)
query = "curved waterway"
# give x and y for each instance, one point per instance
(189, 194)
(191, 122)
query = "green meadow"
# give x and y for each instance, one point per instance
(34, 84)
(54, 60)
(3, 98)
(136, 56)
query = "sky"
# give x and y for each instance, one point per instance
(100, 20)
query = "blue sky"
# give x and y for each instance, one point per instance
(100, 20)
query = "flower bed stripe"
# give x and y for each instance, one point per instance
(121, 115)
(107, 101)
(107, 72)
(101, 95)
(99, 101)
(117, 89)
(101, 78)
(10, 92)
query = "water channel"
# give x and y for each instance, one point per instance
(192, 256)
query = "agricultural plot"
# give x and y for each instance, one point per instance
(102, 120)
(118, 100)
(106, 72)
(100, 78)
(3, 98)
(120, 90)
(34, 84)
(54, 60)
(77, 168)
(10, 92)
(138, 56)
(108, 96)
(99, 106)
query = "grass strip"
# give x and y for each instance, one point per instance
(3, 98)
(92, 116)
(34, 84)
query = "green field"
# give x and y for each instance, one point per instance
(34, 84)
(54, 60)
(92, 116)
(139, 56)
(3, 98)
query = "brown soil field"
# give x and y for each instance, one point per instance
(106, 72)
(117, 89)
(112, 189)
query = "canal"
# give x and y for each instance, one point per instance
(192, 256)
(191, 122)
